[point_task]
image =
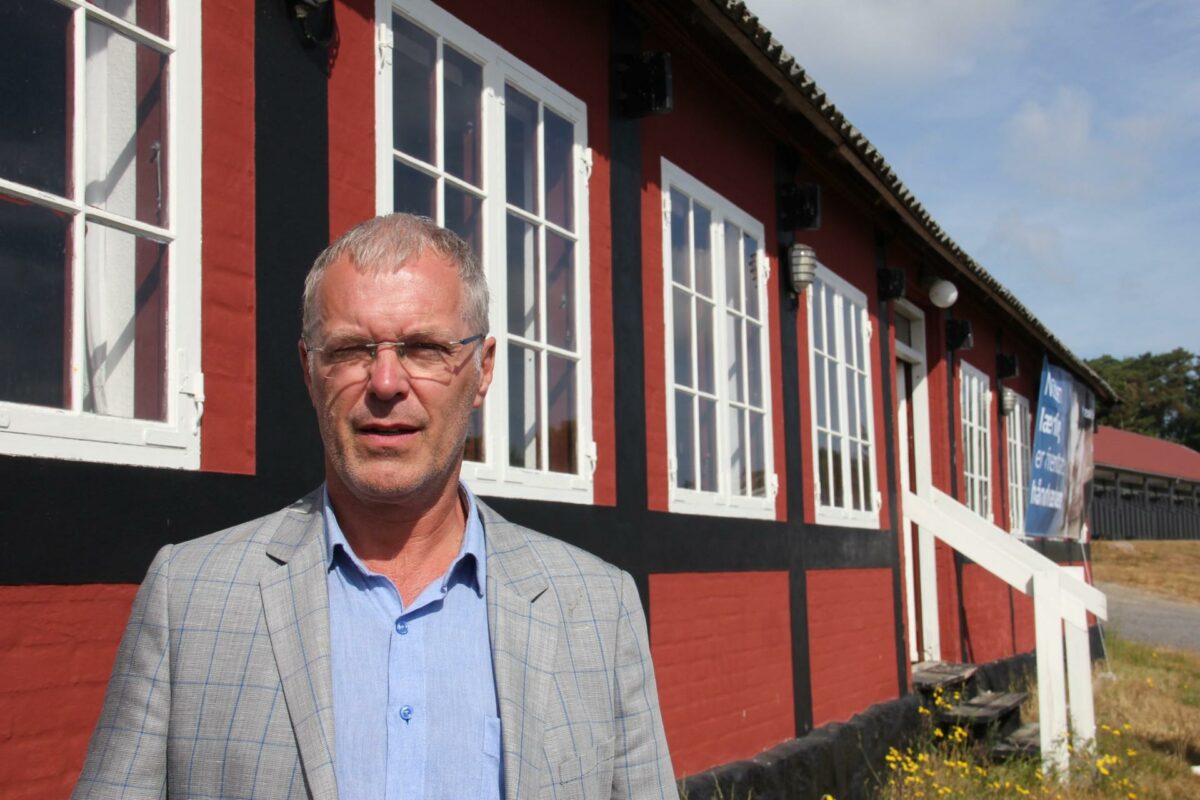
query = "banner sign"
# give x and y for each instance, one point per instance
(1061, 460)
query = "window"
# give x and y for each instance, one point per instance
(496, 152)
(839, 332)
(975, 400)
(718, 357)
(99, 231)
(1019, 426)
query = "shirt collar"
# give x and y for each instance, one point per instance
(471, 561)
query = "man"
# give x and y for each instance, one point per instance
(389, 635)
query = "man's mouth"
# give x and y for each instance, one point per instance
(386, 430)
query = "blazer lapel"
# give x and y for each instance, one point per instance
(523, 625)
(295, 600)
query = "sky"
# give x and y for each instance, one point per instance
(1056, 141)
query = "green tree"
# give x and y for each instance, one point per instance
(1160, 394)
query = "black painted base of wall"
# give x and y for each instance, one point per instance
(846, 759)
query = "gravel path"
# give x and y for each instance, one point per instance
(1143, 617)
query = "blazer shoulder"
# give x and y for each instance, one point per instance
(218, 549)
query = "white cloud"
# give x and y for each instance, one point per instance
(871, 46)
(1028, 249)
(1060, 148)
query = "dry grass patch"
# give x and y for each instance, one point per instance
(1168, 569)
(1148, 711)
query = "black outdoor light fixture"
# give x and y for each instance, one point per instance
(890, 283)
(958, 334)
(1006, 366)
(644, 84)
(313, 20)
(798, 206)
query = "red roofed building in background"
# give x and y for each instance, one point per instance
(1145, 488)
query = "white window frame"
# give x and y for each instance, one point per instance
(495, 476)
(1019, 432)
(75, 434)
(975, 410)
(846, 295)
(723, 502)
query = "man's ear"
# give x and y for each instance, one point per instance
(487, 363)
(304, 366)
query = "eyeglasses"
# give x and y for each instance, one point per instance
(421, 357)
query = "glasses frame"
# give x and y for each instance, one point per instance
(399, 348)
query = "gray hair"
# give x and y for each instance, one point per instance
(385, 244)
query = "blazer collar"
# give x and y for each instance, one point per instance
(295, 599)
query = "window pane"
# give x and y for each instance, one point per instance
(149, 15)
(127, 126)
(735, 375)
(856, 493)
(464, 216)
(559, 144)
(860, 323)
(758, 457)
(520, 148)
(852, 406)
(685, 466)
(413, 191)
(35, 334)
(835, 399)
(824, 467)
(737, 451)
(863, 404)
(702, 236)
(750, 266)
(903, 326)
(708, 444)
(562, 404)
(35, 42)
(705, 355)
(680, 268)
(682, 313)
(838, 468)
(523, 288)
(413, 89)
(868, 479)
(125, 324)
(831, 342)
(560, 291)
(524, 422)
(754, 363)
(733, 267)
(462, 88)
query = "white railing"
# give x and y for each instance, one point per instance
(1061, 600)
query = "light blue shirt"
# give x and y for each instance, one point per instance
(414, 690)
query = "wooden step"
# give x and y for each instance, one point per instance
(1024, 742)
(930, 675)
(986, 714)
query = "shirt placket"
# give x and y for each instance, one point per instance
(408, 709)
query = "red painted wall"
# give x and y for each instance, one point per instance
(57, 645)
(707, 119)
(351, 104)
(227, 434)
(852, 641)
(721, 644)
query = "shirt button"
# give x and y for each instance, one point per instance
(406, 713)
(401, 627)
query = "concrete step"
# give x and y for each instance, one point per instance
(993, 714)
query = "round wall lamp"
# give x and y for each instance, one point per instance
(802, 266)
(943, 293)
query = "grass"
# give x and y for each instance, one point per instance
(1165, 568)
(1148, 715)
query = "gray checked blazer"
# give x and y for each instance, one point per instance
(222, 684)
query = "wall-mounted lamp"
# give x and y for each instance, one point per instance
(1008, 401)
(1006, 366)
(958, 334)
(890, 283)
(802, 266)
(943, 293)
(314, 21)
(644, 84)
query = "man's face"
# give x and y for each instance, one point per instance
(390, 436)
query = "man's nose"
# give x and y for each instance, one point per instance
(389, 377)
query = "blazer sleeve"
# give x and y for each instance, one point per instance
(641, 763)
(128, 752)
